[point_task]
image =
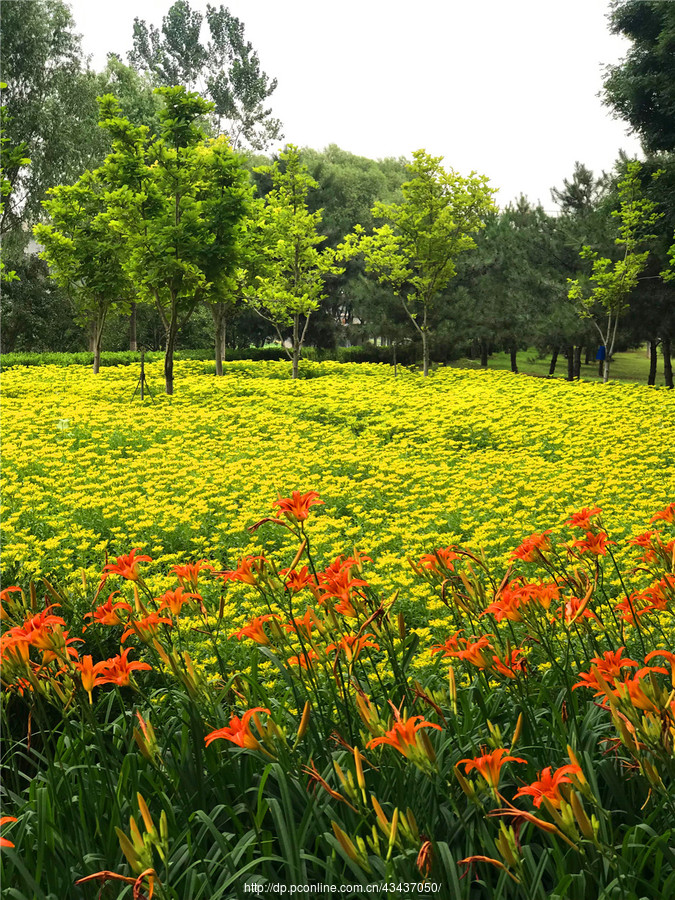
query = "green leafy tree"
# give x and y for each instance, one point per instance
(611, 282)
(416, 250)
(51, 103)
(293, 269)
(177, 202)
(84, 255)
(12, 158)
(641, 88)
(226, 70)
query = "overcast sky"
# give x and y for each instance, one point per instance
(507, 89)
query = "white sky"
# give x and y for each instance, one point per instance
(507, 89)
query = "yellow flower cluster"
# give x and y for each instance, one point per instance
(403, 464)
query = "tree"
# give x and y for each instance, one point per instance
(178, 203)
(294, 269)
(12, 158)
(51, 103)
(84, 255)
(642, 87)
(612, 282)
(416, 250)
(225, 71)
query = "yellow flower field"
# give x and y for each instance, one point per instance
(403, 465)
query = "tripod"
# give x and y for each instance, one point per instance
(142, 382)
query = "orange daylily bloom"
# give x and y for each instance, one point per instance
(442, 558)
(145, 628)
(573, 610)
(548, 785)
(188, 574)
(352, 645)
(339, 586)
(533, 547)
(5, 598)
(238, 731)
(255, 630)
(471, 652)
(89, 674)
(106, 613)
(666, 515)
(304, 660)
(3, 841)
(174, 600)
(511, 665)
(403, 735)
(609, 666)
(593, 543)
(248, 571)
(296, 507)
(303, 624)
(126, 566)
(582, 518)
(295, 581)
(489, 765)
(118, 669)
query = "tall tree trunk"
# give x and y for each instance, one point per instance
(570, 363)
(514, 359)
(218, 315)
(589, 356)
(554, 360)
(395, 364)
(605, 370)
(483, 354)
(666, 348)
(577, 362)
(168, 355)
(601, 367)
(652, 361)
(425, 353)
(132, 328)
(296, 345)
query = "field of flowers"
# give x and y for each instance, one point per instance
(445, 665)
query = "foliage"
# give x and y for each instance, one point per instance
(84, 254)
(176, 204)
(294, 269)
(51, 104)
(416, 250)
(537, 747)
(612, 282)
(226, 70)
(642, 88)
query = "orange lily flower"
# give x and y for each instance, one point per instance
(174, 600)
(666, 515)
(570, 611)
(89, 673)
(403, 736)
(533, 547)
(441, 559)
(238, 731)
(296, 507)
(106, 613)
(126, 566)
(548, 785)
(593, 543)
(304, 624)
(489, 765)
(188, 574)
(146, 628)
(304, 660)
(118, 669)
(248, 571)
(254, 630)
(295, 581)
(511, 665)
(352, 645)
(3, 841)
(582, 519)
